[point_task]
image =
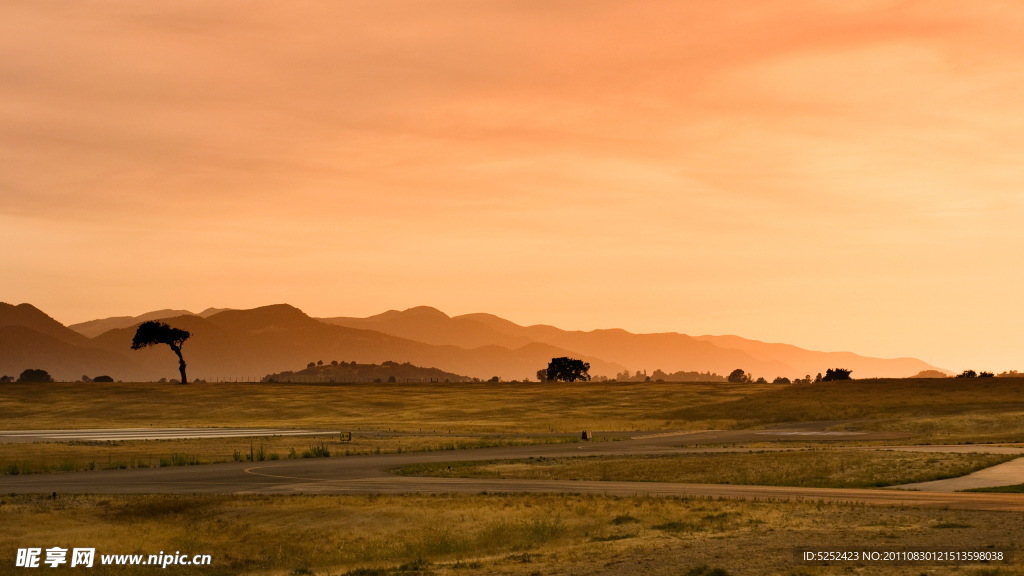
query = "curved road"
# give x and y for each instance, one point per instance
(369, 474)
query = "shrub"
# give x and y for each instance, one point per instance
(834, 374)
(318, 451)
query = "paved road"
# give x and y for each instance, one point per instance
(369, 474)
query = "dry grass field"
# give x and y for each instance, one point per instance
(528, 535)
(823, 468)
(477, 407)
(38, 457)
(514, 535)
(933, 410)
(945, 410)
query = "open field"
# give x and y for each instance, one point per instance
(37, 457)
(944, 410)
(817, 468)
(515, 535)
(931, 410)
(477, 407)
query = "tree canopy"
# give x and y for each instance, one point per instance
(35, 375)
(153, 332)
(567, 369)
(833, 374)
(739, 376)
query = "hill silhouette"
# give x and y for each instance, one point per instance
(93, 328)
(248, 344)
(429, 325)
(668, 351)
(355, 372)
(31, 339)
(28, 316)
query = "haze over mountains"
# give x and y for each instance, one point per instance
(247, 344)
(94, 328)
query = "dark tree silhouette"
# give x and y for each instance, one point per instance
(568, 369)
(35, 375)
(833, 374)
(153, 332)
(739, 376)
(967, 374)
(542, 374)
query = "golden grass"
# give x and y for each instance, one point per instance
(808, 468)
(989, 426)
(936, 410)
(470, 407)
(494, 534)
(939, 410)
(37, 457)
(517, 535)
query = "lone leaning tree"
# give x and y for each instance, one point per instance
(153, 332)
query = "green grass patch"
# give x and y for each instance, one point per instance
(177, 459)
(317, 451)
(1012, 489)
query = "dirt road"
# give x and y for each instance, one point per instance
(369, 474)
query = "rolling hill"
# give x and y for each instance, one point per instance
(248, 344)
(31, 339)
(666, 351)
(94, 328)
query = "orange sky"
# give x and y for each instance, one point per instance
(829, 174)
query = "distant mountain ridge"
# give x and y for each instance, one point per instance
(668, 351)
(93, 328)
(248, 344)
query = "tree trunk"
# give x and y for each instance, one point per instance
(181, 364)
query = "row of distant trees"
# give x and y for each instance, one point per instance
(29, 375)
(40, 375)
(973, 374)
(570, 370)
(831, 375)
(662, 376)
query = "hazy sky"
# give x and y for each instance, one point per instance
(836, 175)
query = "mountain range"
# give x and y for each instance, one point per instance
(247, 344)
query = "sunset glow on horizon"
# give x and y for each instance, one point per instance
(833, 176)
